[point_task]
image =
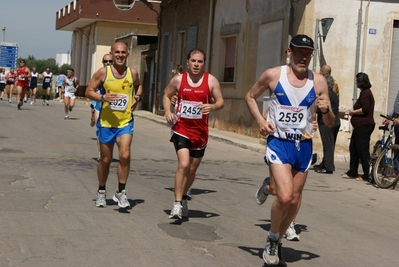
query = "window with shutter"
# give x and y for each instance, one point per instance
(229, 59)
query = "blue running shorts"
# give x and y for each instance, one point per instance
(282, 151)
(109, 135)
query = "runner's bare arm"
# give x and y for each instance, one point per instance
(95, 82)
(170, 90)
(138, 89)
(216, 93)
(265, 81)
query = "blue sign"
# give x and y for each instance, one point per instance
(8, 55)
(372, 31)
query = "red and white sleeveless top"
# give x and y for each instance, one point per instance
(191, 121)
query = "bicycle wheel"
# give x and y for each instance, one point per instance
(385, 175)
(373, 157)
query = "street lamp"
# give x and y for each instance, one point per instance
(4, 33)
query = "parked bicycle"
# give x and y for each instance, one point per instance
(384, 159)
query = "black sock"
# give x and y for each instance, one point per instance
(48, 97)
(121, 187)
(178, 201)
(185, 197)
(101, 187)
(44, 97)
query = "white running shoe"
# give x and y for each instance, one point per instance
(176, 212)
(121, 198)
(101, 199)
(270, 253)
(66, 117)
(261, 195)
(31, 103)
(290, 233)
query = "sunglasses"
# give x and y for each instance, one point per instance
(107, 61)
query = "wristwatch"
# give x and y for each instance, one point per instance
(102, 98)
(328, 110)
(140, 97)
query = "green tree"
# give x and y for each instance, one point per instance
(42, 64)
(63, 69)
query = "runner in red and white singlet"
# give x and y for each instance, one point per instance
(194, 89)
(23, 75)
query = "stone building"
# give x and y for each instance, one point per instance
(96, 25)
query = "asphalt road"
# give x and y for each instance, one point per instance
(48, 184)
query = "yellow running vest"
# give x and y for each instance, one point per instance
(117, 114)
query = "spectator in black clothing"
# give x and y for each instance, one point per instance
(329, 134)
(363, 124)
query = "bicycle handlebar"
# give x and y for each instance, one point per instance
(387, 117)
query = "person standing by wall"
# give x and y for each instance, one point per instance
(329, 134)
(325, 70)
(362, 120)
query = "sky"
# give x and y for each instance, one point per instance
(31, 24)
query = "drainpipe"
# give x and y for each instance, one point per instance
(366, 24)
(359, 33)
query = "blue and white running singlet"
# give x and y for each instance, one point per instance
(291, 109)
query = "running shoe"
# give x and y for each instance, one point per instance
(188, 194)
(47, 103)
(261, 195)
(176, 212)
(70, 109)
(19, 105)
(101, 199)
(290, 233)
(66, 117)
(25, 99)
(121, 198)
(270, 253)
(31, 103)
(44, 103)
(184, 212)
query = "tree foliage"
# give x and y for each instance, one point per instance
(42, 64)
